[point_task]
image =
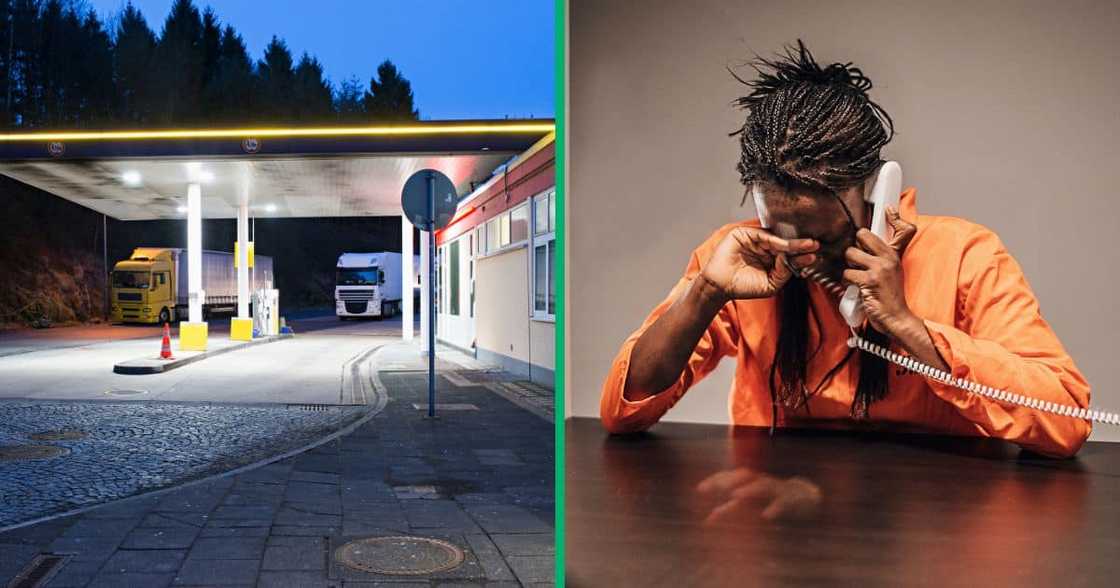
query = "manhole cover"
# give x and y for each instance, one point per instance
(125, 392)
(399, 556)
(59, 435)
(22, 452)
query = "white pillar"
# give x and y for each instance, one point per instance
(243, 255)
(425, 292)
(408, 278)
(194, 253)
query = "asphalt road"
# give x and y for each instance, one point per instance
(75, 363)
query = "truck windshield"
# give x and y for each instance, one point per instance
(357, 277)
(131, 279)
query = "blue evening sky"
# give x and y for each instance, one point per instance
(465, 59)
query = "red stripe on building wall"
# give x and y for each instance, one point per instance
(529, 178)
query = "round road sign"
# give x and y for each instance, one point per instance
(416, 196)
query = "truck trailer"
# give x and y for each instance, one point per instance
(151, 285)
(368, 285)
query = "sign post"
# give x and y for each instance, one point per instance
(429, 200)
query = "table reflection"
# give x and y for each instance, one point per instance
(703, 505)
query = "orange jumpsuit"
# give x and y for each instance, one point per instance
(978, 309)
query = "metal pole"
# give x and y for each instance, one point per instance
(105, 261)
(431, 296)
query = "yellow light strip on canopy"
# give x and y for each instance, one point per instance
(394, 130)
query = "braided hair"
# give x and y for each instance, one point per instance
(815, 130)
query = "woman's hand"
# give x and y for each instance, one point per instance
(876, 267)
(750, 263)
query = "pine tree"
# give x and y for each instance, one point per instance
(390, 95)
(6, 62)
(349, 101)
(180, 57)
(133, 65)
(94, 93)
(27, 75)
(211, 41)
(277, 80)
(311, 93)
(232, 92)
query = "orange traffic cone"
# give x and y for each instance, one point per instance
(165, 351)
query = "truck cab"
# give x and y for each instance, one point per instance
(143, 288)
(367, 285)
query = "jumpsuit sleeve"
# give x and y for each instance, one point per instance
(620, 415)
(1002, 341)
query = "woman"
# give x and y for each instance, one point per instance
(942, 290)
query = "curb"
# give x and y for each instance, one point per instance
(137, 369)
(380, 399)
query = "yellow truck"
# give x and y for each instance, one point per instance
(151, 285)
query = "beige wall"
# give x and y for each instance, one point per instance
(502, 303)
(502, 321)
(1005, 111)
(542, 334)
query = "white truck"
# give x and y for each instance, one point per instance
(369, 285)
(151, 285)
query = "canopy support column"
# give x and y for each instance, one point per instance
(193, 334)
(408, 278)
(425, 291)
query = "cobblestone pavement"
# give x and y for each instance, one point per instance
(479, 477)
(528, 395)
(124, 448)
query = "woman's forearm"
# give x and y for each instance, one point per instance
(916, 340)
(661, 353)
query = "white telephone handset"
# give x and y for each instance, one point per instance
(881, 190)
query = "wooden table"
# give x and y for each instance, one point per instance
(817, 507)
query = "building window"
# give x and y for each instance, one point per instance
(544, 256)
(453, 279)
(511, 227)
(470, 280)
(519, 224)
(493, 235)
(541, 218)
(438, 261)
(504, 224)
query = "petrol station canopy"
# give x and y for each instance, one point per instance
(286, 172)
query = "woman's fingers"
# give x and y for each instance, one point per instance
(771, 243)
(904, 231)
(804, 260)
(855, 276)
(780, 273)
(872, 243)
(858, 257)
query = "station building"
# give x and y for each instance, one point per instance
(495, 267)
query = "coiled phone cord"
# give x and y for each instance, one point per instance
(931, 372)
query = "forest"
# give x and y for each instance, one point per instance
(61, 67)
